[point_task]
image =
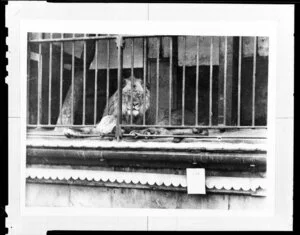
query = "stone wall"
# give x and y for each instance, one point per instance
(52, 195)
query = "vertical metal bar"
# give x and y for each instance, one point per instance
(210, 80)
(132, 57)
(145, 75)
(132, 75)
(96, 82)
(50, 81)
(61, 76)
(120, 63)
(170, 80)
(73, 64)
(197, 81)
(157, 79)
(239, 83)
(40, 81)
(225, 81)
(254, 81)
(107, 71)
(84, 82)
(183, 80)
(28, 77)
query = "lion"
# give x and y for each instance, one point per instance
(135, 109)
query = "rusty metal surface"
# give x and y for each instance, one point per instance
(140, 157)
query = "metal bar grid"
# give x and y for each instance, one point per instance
(120, 62)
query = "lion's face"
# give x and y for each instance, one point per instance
(138, 94)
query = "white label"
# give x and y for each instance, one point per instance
(195, 180)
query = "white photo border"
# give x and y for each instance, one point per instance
(225, 27)
(259, 28)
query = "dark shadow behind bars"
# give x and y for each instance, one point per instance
(65, 90)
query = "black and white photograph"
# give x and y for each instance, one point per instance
(186, 102)
(162, 121)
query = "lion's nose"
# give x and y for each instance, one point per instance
(135, 103)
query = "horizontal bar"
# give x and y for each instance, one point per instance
(200, 126)
(58, 125)
(194, 136)
(92, 38)
(163, 126)
(96, 157)
(73, 39)
(57, 134)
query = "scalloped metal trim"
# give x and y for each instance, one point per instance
(140, 178)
